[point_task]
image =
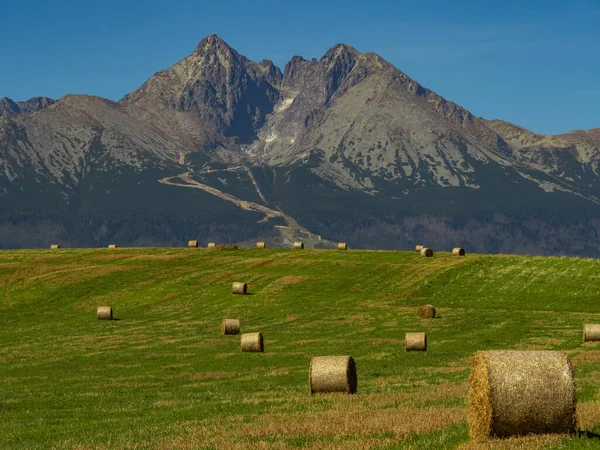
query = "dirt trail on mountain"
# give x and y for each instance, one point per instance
(244, 204)
(258, 191)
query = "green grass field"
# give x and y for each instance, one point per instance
(162, 376)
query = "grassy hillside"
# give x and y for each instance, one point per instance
(164, 377)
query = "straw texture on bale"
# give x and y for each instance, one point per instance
(105, 313)
(515, 393)
(112, 245)
(252, 342)
(211, 245)
(332, 374)
(298, 245)
(427, 252)
(192, 244)
(342, 246)
(230, 326)
(458, 251)
(261, 245)
(416, 342)
(591, 332)
(239, 288)
(54, 246)
(427, 312)
(418, 248)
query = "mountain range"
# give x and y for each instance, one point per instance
(344, 148)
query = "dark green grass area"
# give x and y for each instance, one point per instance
(162, 376)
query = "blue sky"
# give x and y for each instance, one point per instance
(533, 63)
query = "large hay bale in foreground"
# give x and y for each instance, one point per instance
(261, 245)
(105, 313)
(230, 326)
(211, 245)
(427, 312)
(112, 245)
(342, 246)
(252, 342)
(332, 374)
(55, 246)
(239, 288)
(427, 252)
(418, 248)
(515, 393)
(458, 251)
(299, 245)
(591, 332)
(192, 244)
(415, 342)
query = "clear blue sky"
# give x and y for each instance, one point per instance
(534, 63)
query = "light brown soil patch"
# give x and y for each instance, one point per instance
(346, 426)
(165, 403)
(157, 257)
(588, 415)
(387, 342)
(111, 257)
(534, 442)
(219, 276)
(283, 282)
(205, 375)
(585, 357)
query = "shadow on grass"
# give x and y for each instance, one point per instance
(587, 434)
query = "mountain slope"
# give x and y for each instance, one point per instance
(345, 147)
(573, 157)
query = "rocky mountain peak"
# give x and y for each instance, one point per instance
(213, 51)
(35, 104)
(8, 107)
(295, 72)
(272, 73)
(340, 59)
(231, 94)
(343, 51)
(213, 42)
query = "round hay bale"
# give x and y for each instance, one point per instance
(239, 288)
(252, 342)
(230, 326)
(112, 245)
(211, 245)
(427, 312)
(416, 342)
(192, 244)
(55, 246)
(105, 313)
(515, 393)
(427, 252)
(261, 245)
(591, 332)
(299, 245)
(458, 251)
(332, 374)
(342, 246)
(418, 248)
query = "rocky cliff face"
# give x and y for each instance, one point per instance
(9, 108)
(345, 144)
(229, 93)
